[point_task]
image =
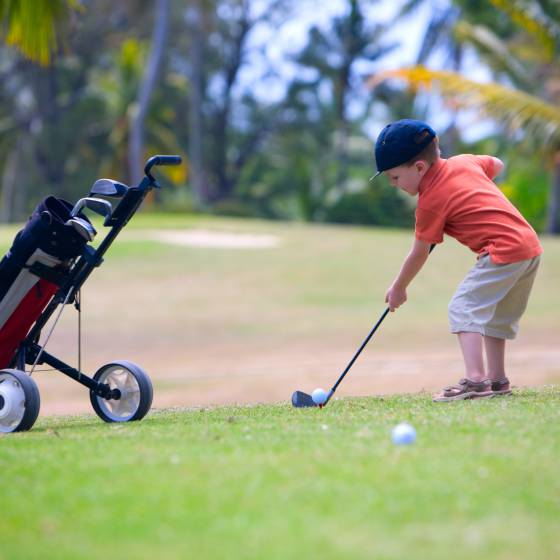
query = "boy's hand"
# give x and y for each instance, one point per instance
(395, 297)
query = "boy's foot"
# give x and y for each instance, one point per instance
(466, 389)
(501, 387)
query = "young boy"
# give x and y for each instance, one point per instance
(457, 196)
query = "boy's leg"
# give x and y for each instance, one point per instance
(504, 325)
(495, 356)
(473, 315)
(471, 347)
(475, 384)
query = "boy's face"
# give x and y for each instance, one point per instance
(407, 178)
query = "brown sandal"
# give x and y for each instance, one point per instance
(501, 387)
(466, 389)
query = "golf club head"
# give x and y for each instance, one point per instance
(108, 187)
(83, 227)
(302, 400)
(97, 205)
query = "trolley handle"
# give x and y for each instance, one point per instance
(161, 160)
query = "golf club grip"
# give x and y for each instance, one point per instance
(168, 160)
(359, 351)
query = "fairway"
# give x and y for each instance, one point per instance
(234, 321)
(274, 482)
(223, 312)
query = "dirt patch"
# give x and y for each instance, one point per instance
(235, 375)
(215, 239)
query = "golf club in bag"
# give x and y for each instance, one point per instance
(304, 400)
(49, 261)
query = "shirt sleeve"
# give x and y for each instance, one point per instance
(429, 226)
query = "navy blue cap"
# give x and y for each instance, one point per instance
(399, 142)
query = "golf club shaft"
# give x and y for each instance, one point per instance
(364, 344)
(358, 352)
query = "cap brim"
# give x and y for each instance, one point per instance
(374, 176)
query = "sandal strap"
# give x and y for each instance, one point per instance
(467, 385)
(499, 383)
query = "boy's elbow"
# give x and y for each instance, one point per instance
(498, 167)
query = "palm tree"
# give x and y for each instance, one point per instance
(334, 55)
(33, 27)
(530, 103)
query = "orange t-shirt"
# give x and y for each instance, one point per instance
(457, 197)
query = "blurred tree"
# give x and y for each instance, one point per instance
(136, 154)
(438, 39)
(35, 29)
(441, 41)
(324, 113)
(117, 84)
(300, 154)
(529, 60)
(73, 115)
(197, 23)
(34, 26)
(332, 56)
(223, 133)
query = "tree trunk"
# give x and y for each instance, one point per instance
(12, 198)
(196, 124)
(225, 182)
(136, 141)
(553, 222)
(341, 132)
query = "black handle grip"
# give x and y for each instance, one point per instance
(168, 160)
(161, 160)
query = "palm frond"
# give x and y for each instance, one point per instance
(534, 21)
(497, 51)
(32, 26)
(513, 108)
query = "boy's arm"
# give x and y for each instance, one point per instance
(396, 295)
(498, 167)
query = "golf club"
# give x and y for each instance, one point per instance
(108, 187)
(83, 227)
(304, 400)
(97, 205)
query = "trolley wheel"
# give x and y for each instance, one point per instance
(19, 401)
(134, 389)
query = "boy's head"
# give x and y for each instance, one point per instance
(404, 151)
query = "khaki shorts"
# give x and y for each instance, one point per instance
(492, 298)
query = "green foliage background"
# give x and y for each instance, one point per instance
(294, 141)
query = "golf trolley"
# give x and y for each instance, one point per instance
(48, 263)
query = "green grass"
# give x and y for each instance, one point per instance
(322, 279)
(274, 482)
(270, 481)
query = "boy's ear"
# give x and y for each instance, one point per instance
(421, 166)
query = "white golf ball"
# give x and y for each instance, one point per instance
(403, 434)
(319, 396)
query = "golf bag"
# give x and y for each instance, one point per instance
(49, 261)
(32, 270)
